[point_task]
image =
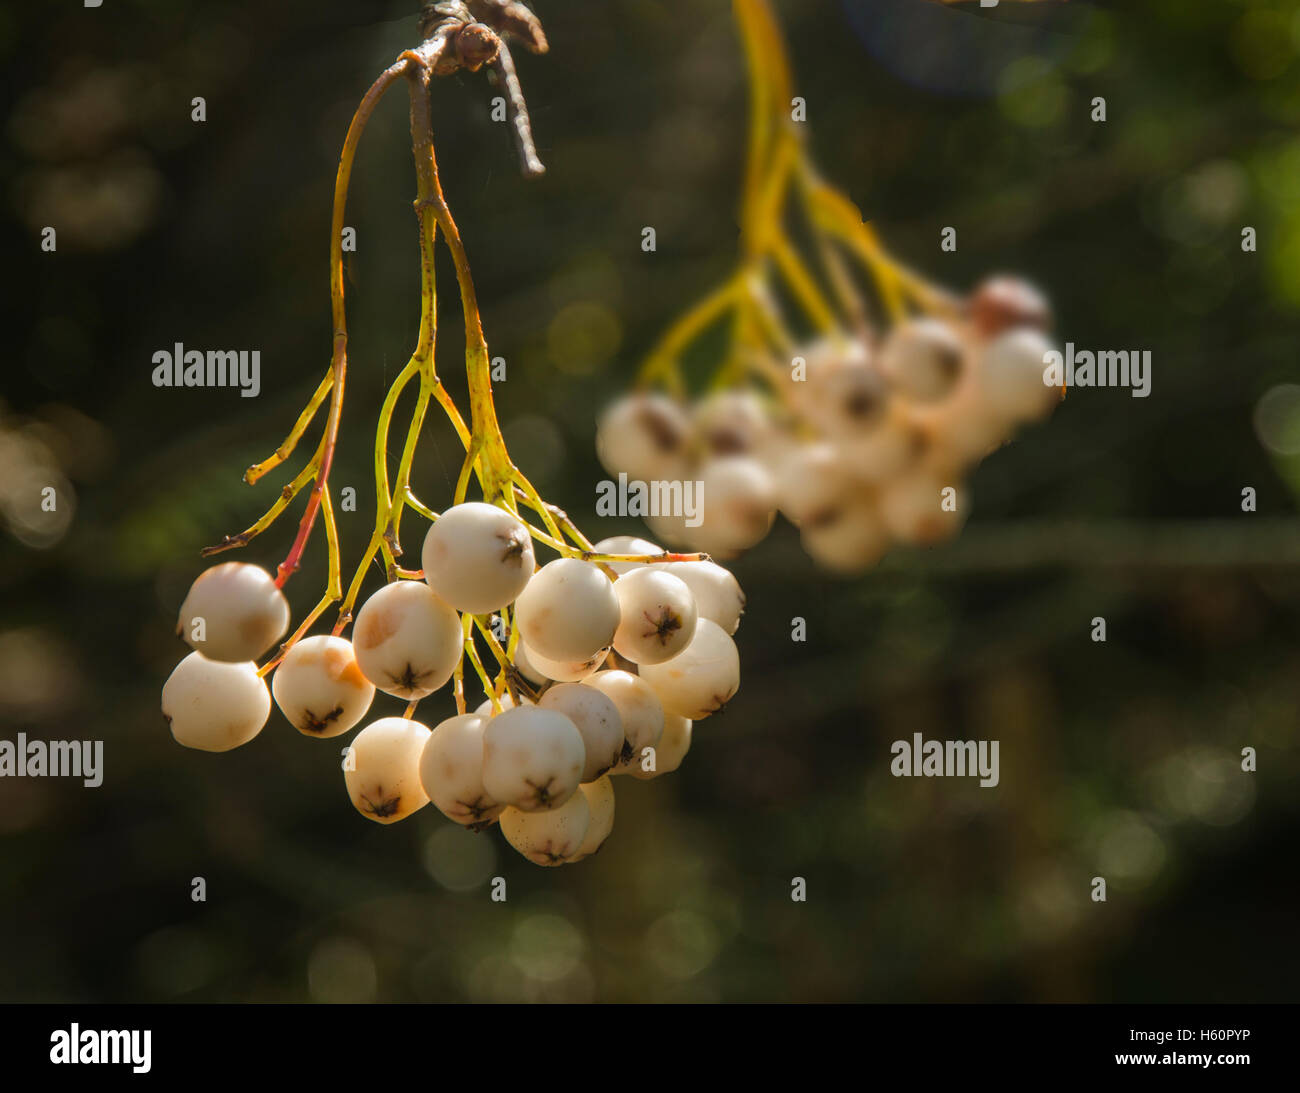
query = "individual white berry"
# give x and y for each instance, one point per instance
(597, 720)
(569, 611)
(922, 358)
(233, 612)
(600, 802)
(1001, 303)
(961, 429)
(214, 705)
(451, 771)
(643, 436)
(524, 661)
(730, 422)
(407, 640)
(626, 544)
(533, 758)
(847, 398)
(814, 481)
(1010, 373)
(320, 688)
(551, 837)
(889, 448)
(478, 557)
(737, 505)
(669, 752)
(382, 771)
(702, 678)
(566, 671)
(640, 709)
(717, 592)
(917, 508)
(820, 360)
(847, 540)
(657, 616)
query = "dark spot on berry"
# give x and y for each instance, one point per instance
(664, 626)
(515, 541)
(312, 723)
(382, 808)
(664, 431)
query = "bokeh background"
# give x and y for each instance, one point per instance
(1119, 759)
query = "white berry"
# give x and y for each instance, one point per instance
(849, 539)
(551, 837)
(922, 508)
(596, 719)
(478, 557)
(407, 640)
(1010, 374)
(451, 771)
(533, 758)
(320, 688)
(717, 592)
(213, 705)
(643, 436)
(564, 671)
(701, 679)
(382, 770)
(233, 612)
(738, 504)
(569, 611)
(600, 802)
(657, 616)
(669, 752)
(640, 709)
(922, 358)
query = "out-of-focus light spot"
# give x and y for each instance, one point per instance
(1277, 419)
(175, 961)
(546, 947)
(1217, 190)
(1032, 93)
(1049, 904)
(38, 674)
(583, 337)
(1261, 43)
(1128, 848)
(95, 206)
(459, 859)
(681, 944)
(1207, 785)
(341, 970)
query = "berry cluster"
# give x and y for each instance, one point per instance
(856, 443)
(851, 394)
(604, 656)
(604, 669)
